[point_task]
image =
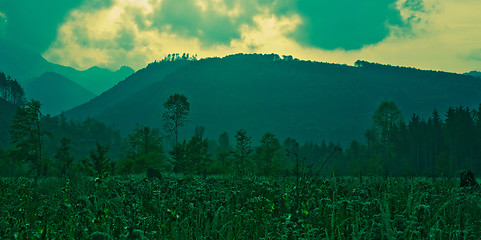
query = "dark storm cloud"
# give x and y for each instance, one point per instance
(34, 23)
(346, 24)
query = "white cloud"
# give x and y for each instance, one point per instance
(444, 37)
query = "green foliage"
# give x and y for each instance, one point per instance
(179, 161)
(224, 154)
(198, 155)
(248, 208)
(99, 161)
(11, 90)
(268, 155)
(176, 57)
(63, 158)
(145, 151)
(83, 134)
(325, 101)
(26, 135)
(144, 140)
(243, 150)
(192, 157)
(387, 121)
(177, 108)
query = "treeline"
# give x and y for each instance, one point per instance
(11, 90)
(54, 146)
(42, 145)
(437, 146)
(177, 57)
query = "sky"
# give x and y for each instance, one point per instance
(440, 35)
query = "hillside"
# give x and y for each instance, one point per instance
(474, 74)
(57, 93)
(95, 79)
(27, 65)
(309, 101)
(154, 72)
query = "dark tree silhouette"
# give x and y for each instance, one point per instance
(11, 90)
(243, 151)
(99, 161)
(146, 150)
(387, 120)
(26, 135)
(63, 158)
(268, 155)
(177, 108)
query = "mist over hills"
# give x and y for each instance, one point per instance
(57, 93)
(154, 72)
(26, 65)
(309, 101)
(474, 74)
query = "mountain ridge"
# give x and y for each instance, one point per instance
(57, 93)
(25, 66)
(309, 101)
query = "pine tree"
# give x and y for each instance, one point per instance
(268, 155)
(242, 152)
(26, 135)
(146, 150)
(63, 158)
(197, 152)
(177, 108)
(99, 161)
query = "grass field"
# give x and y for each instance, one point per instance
(187, 207)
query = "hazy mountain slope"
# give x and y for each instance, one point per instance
(21, 63)
(7, 110)
(304, 100)
(27, 65)
(474, 74)
(95, 79)
(154, 72)
(57, 93)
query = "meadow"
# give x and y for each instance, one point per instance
(190, 207)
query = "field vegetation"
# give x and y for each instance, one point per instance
(191, 207)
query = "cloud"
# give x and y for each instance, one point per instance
(347, 24)
(428, 34)
(3, 23)
(475, 55)
(34, 23)
(443, 36)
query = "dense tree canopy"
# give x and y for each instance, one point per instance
(11, 90)
(26, 135)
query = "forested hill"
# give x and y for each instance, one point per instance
(290, 98)
(57, 93)
(474, 74)
(7, 110)
(143, 78)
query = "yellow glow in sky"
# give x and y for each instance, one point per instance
(445, 37)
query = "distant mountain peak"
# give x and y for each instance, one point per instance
(57, 93)
(126, 69)
(474, 74)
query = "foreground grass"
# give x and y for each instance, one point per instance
(228, 208)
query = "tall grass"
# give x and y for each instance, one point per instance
(180, 207)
